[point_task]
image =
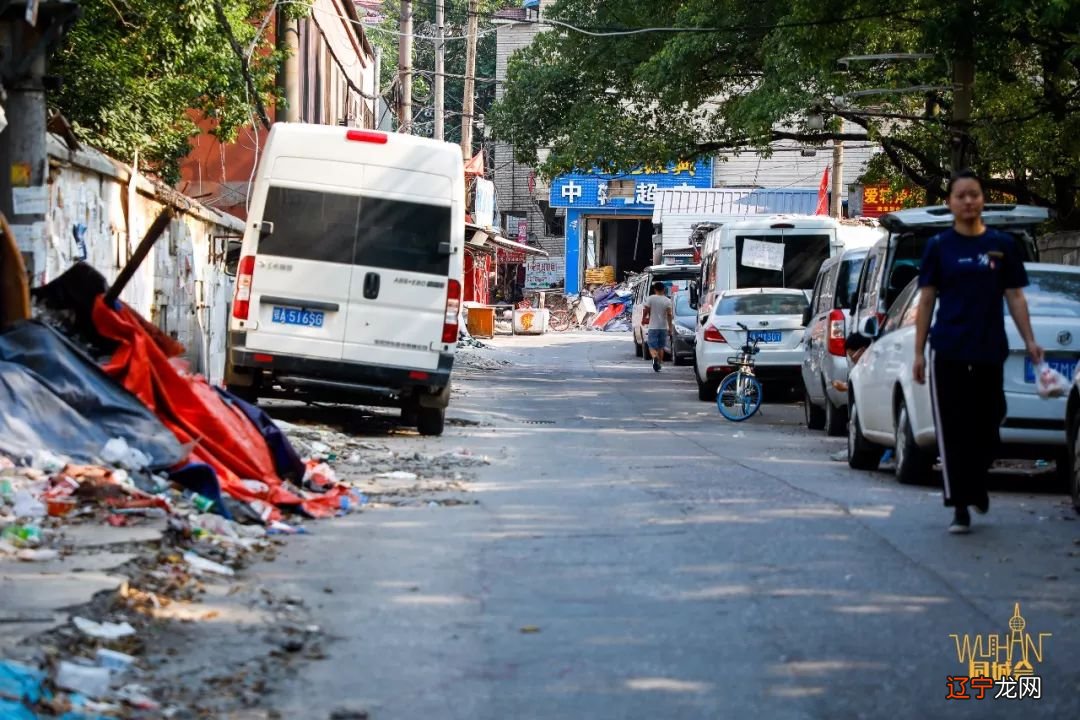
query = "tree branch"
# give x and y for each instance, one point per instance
(223, 20)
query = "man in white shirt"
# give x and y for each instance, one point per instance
(659, 317)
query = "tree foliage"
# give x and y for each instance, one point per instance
(133, 69)
(752, 71)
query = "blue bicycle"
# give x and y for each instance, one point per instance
(739, 396)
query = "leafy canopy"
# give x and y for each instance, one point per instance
(133, 69)
(756, 70)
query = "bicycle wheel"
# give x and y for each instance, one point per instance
(559, 321)
(739, 396)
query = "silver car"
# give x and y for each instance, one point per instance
(824, 362)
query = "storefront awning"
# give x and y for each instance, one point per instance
(480, 239)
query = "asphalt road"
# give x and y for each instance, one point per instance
(634, 555)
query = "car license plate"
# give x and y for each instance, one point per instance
(766, 336)
(296, 316)
(1065, 367)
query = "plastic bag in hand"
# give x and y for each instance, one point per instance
(1050, 382)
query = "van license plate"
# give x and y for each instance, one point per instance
(765, 336)
(296, 316)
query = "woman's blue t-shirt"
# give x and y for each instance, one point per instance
(971, 274)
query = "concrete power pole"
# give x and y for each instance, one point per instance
(440, 70)
(405, 43)
(963, 89)
(469, 101)
(837, 204)
(288, 42)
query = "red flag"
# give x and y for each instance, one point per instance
(823, 194)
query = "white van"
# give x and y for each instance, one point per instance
(774, 251)
(349, 282)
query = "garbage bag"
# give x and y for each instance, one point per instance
(53, 396)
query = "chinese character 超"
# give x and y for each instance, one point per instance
(571, 191)
(957, 687)
(645, 193)
(1007, 688)
(1031, 686)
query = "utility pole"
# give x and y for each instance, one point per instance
(288, 42)
(405, 67)
(837, 208)
(468, 102)
(963, 88)
(440, 69)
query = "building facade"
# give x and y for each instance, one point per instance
(338, 85)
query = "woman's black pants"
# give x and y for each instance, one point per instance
(969, 407)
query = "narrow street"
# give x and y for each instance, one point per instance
(629, 554)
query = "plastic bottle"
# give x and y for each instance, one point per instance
(22, 536)
(201, 503)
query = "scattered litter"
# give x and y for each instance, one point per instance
(31, 555)
(86, 679)
(113, 660)
(21, 682)
(396, 475)
(28, 506)
(201, 564)
(530, 629)
(118, 453)
(103, 630)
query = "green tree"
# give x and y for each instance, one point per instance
(133, 70)
(742, 73)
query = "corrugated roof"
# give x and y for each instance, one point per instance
(733, 202)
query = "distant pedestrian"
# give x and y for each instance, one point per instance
(967, 270)
(659, 317)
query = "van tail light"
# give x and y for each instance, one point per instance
(369, 136)
(837, 343)
(453, 308)
(714, 335)
(242, 299)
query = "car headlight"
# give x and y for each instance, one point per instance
(683, 330)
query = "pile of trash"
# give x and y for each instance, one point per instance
(614, 308)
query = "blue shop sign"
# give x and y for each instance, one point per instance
(594, 190)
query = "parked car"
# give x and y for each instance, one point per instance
(676, 278)
(775, 319)
(894, 261)
(349, 284)
(686, 320)
(888, 409)
(824, 362)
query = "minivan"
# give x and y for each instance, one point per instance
(349, 281)
(825, 363)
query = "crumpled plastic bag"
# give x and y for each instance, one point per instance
(1050, 383)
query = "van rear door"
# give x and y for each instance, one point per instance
(303, 272)
(401, 269)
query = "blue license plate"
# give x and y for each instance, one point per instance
(1065, 367)
(766, 336)
(296, 316)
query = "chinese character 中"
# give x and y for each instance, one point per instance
(982, 684)
(571, 191)
(601, 193)
(645, 193)
(685, 166)
(957, 687)
(1031, 686)
(1007, 688)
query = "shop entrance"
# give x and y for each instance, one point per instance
(624, 243)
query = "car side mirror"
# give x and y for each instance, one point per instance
(806, 315)
(870, 327)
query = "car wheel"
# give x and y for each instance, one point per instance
(430, 421)
(913, 464)
(815, 416)
(639, 349)
(862, 454)
(706, 391)
(835, 419)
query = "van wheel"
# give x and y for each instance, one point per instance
(409, 416)
(861, 453)
(431, 421)
(913, 464)
(835, 419)
(815, 416)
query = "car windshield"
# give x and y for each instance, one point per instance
(763, 304)
(1053, 293)
(682, 305)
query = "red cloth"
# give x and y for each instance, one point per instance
(608, 314)
(221, 436)
(823, 194)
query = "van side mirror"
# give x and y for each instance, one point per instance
(232, 257)
(806, 316)
(694, 296)
(265, 228)
(870, 327)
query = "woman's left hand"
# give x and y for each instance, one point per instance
(1035, 351)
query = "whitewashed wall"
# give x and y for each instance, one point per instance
(181, 287)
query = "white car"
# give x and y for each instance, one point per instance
(889, 410)
(773, 316)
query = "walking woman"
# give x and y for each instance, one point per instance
(966, 270)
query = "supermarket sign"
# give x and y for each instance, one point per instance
(877, 200)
